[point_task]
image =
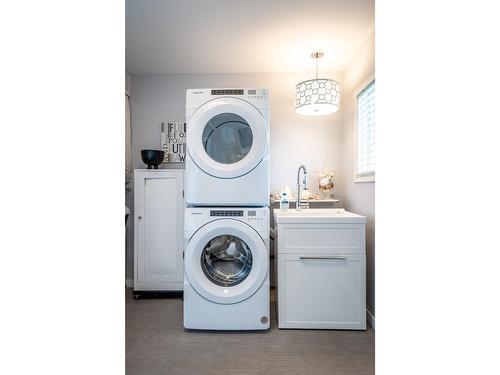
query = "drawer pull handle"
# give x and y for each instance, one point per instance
(304, 257)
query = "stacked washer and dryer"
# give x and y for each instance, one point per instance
(226, 258)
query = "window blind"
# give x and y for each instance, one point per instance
(366, 131)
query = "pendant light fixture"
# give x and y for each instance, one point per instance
(319, 96)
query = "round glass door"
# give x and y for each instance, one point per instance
(227, 138)
(226, 260)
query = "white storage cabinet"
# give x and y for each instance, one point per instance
(159, 223)
(321, 276)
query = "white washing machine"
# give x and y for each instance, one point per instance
(226, 264)
(227, 161)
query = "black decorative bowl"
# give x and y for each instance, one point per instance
(152, 158)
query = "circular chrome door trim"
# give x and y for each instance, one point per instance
(198, 279)
(226, 260)
(216, 107)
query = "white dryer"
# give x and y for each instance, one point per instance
(227, 161)
(226, 263)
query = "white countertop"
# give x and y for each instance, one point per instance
(328, 200)
(317, 215)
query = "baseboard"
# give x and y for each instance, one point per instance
(370, 318)
(129, 283)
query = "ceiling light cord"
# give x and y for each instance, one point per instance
(317, 55)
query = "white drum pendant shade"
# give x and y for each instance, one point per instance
(317, 97)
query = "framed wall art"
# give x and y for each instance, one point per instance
(173, 141)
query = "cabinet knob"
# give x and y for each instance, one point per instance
(139, 217)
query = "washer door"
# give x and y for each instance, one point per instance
(227, 137)
(226, 261)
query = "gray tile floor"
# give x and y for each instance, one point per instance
(157, 344)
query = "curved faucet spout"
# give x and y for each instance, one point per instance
(298, 207)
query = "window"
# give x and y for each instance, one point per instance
(365, 133)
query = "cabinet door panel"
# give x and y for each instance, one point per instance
(323, 292)
(327, 238)
(159, 231)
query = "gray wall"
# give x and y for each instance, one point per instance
(295, 140)
(359, 197)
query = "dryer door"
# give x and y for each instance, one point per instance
(226, 261)
(227, 137)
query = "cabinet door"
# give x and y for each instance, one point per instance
(321, 291)
(160, 218)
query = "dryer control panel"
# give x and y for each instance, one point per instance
(251, 93)
(228, 92)
(195, 98)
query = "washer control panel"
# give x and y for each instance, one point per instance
(251, 215)
(226, 212)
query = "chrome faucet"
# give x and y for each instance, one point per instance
(298, 207)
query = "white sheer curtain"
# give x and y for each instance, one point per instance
(128, 142)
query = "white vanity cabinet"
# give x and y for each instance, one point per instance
(321, 269)
(159, 222)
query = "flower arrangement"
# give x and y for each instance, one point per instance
(325, 182)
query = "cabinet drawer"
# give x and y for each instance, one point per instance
(322, 291)
(327, 238)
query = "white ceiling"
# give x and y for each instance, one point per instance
(238, 36)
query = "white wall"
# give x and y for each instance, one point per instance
(295, 140)
(358, 197)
